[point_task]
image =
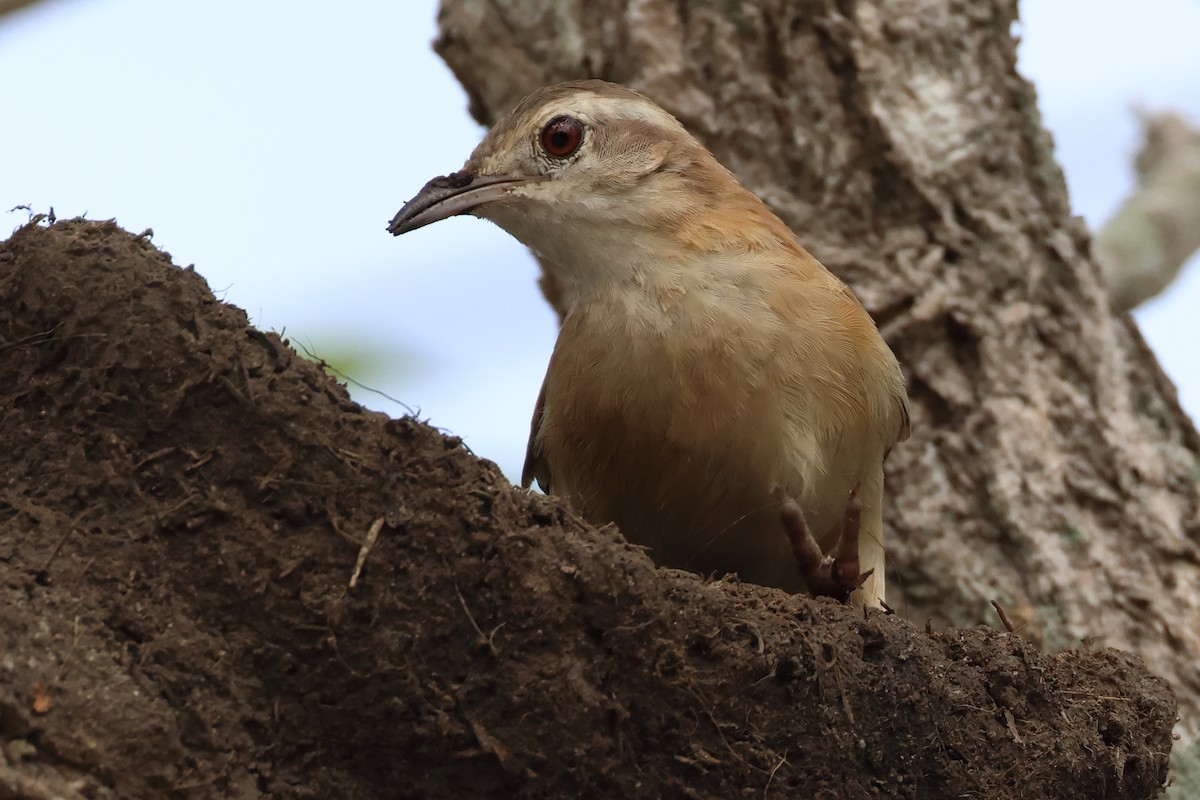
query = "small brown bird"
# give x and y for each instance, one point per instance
(714, 390)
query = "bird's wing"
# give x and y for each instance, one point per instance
(886, 360)
(905, 422)
(536, 467)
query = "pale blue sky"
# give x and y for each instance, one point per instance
(269, 143)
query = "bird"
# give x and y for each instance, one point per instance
(714, 390)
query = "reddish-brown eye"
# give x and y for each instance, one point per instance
(562, 136)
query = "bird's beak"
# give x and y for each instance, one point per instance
(450, 195)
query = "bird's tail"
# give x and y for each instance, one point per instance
(870, 542)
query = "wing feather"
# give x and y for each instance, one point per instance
(536, 467)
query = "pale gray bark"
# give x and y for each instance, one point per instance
(1050, 466)
(1145, 244)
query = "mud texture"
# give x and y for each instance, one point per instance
(182, 503)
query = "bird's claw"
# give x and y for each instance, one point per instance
(836, 575)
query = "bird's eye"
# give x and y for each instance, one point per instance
(561, 137)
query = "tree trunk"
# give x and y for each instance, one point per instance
(1050, 466)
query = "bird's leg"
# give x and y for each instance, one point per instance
(836, 575)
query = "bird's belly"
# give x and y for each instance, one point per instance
(694, 482)
(692, 510)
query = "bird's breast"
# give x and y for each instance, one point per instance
(689, 367)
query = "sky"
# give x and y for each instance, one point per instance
(269, 143)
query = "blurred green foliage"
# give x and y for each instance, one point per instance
(1185, 772)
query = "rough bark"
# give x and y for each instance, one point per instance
(1050, 467)
(220, 578)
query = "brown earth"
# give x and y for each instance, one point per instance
(182, 502)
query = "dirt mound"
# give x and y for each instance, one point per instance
(182, 504)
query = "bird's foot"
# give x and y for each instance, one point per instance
(835, 575)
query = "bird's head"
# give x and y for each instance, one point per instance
(594, 177)
(583, 150)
